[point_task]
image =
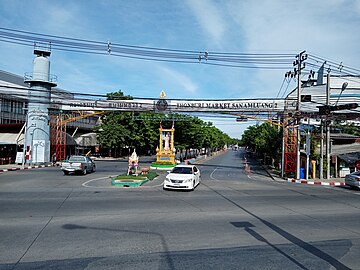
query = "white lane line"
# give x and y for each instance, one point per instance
(211, 175)
(85, 184)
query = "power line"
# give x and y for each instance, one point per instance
(281, 61)
(240, 60)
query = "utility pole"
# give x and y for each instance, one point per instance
(308, 150)
(299, 61)
(289, 157)
(327, 125)
(321, 172)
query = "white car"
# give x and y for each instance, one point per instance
(182, 177)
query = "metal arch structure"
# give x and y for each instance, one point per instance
(231, 106)
(257, 109)
(261, 109)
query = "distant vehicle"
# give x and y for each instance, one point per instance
(353, 179)
(80, 164)
(182, 177)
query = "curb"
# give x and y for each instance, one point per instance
(25, 168)
(316, 182)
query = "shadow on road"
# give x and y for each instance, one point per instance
(293, 239)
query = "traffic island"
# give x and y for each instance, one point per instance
(128, 182)
(132, 180)
(162, 165)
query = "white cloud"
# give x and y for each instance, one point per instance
(324, 28)
(210, 18)
(184, 82)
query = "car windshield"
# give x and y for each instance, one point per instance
(76, 159)
(182, 170)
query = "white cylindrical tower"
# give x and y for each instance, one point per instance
(41, 69)
(37, 136)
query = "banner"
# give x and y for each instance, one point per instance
(162, 105)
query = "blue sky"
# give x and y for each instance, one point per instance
(327, 28)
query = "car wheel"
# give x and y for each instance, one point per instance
(94, 169)
(84, 171)
(65, 173)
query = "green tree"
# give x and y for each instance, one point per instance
(264, 139)
(119, 130)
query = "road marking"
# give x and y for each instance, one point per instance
(85, 184)
(211, 175)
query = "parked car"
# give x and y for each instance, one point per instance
(182, 177)
(81, 164)
(353, 179)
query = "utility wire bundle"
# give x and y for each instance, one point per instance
(241, 60)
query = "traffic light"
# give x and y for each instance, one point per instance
(326, 109)
(348, 106)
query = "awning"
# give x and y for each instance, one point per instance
(11, 138)
(88, 139)
(341, 149)
(350, 158)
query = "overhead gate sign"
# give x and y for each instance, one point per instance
(243, 105)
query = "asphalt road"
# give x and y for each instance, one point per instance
(235, 219)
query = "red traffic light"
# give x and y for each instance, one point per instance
(348, 106)
(326, 109)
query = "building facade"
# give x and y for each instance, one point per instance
(14, 102)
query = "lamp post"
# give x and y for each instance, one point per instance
(343, 87)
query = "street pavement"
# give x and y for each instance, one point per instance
(273, 174)
(233, 220)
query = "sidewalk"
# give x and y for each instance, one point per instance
(323, 182)
(17, 167)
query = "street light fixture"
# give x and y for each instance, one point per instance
(343, 87)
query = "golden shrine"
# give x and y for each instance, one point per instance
(166, 152)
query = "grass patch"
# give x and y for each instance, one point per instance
(158, 165)
(150, 176)
(162, 163)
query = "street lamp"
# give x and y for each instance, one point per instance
(343, 87)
